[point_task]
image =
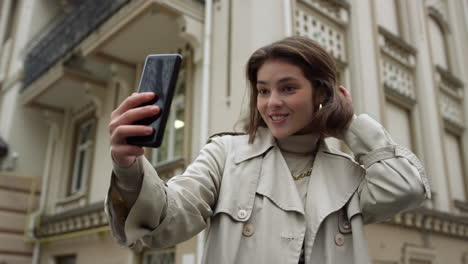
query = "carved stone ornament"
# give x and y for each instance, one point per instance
(324, 22)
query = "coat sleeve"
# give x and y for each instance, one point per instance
(164, 214)
(395, 180)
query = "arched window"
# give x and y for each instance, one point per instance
(438, 44)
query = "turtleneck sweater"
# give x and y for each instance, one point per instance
(299, 153)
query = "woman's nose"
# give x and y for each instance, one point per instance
(275, 100)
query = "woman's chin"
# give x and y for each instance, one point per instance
(280, 133)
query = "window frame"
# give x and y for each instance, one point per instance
(88, 148)
(413, 252)
(409, 109)
(458, 135)
(443, 26)
(73, 150)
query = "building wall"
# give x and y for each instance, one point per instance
(40, 122)
(15, 204)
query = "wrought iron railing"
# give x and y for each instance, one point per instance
(82, 20)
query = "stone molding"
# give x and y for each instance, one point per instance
(79, 219)
(93, 216)
(397, 48)
(432, 221)
(438, 16)
(451, 97)
(85, 217)
(337, 10)
(397, 66)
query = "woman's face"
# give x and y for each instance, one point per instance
(284, 98)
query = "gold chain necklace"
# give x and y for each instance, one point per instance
(309, 171)
(302, 174)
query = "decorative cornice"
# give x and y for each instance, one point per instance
(337, 10)
(92, 216)
(428, 220)
(396, 48)
(79, 219)
(449, 78)
(397, 41)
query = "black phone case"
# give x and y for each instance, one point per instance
(159, 76)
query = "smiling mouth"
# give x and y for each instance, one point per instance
(278, 118)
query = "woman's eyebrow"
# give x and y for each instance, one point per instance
(286, 79)
(282, 80)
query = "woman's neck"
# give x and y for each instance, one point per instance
(304, 143)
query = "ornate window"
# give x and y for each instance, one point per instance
(72, 190)
(397, 64)
(438, 44)
(453, 152)
(399, 124)
(83, 149)
(451, 101)
(325, 22)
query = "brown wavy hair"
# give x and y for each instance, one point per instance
(318, 66)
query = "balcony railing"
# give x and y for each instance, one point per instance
(82, 20)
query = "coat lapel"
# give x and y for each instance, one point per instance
(277, 184)
(275, 181)
(334, 180)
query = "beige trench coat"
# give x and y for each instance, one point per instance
(247, 194)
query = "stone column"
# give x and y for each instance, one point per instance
(366, 89)
(459, 37)
(427, 94)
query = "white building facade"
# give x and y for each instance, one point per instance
(66, 64)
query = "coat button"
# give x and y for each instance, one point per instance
(248, 230)
(242, 214)
(339, 239)
(346, 225)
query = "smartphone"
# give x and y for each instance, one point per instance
(159, 76)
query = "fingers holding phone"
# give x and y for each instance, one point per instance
(141, 118)
(122, 126)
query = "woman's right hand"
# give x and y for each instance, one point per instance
(121, 126)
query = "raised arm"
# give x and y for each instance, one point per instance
(395, 179)
(142, 209)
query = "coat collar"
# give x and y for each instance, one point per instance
(263, 141)
(335, 177)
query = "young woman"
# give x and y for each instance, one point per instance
(277, 194)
